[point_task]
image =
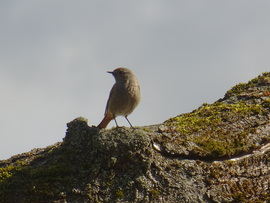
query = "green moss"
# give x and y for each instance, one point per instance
(242, 87)
(41, 182)
(154, 194)
(239, 197)
(146, 129)
(119, 193)
(237, 89)
(37, 180)
(211, 116)
(266, 103)
(208, 127)
(7, 172)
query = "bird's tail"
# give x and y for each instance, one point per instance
(106, 120)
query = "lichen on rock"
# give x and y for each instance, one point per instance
(234, 125)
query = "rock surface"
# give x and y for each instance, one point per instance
(220, 152)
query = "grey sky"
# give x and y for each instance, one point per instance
(54, 55)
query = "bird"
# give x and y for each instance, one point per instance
(124, 96)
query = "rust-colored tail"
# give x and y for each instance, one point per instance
(106, 120)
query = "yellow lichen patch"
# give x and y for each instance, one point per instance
(7, 172)
(211, 116)
(217, 128)
(119, 193)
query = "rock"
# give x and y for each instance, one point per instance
(219, 152)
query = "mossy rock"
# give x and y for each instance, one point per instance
(260, 81)
(226, 128)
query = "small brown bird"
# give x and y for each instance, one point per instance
(124, 96)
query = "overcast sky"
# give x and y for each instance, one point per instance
(54, 55)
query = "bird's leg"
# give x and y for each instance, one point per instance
(115, 122)
(129, 122)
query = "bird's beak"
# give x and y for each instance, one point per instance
(111, 72)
